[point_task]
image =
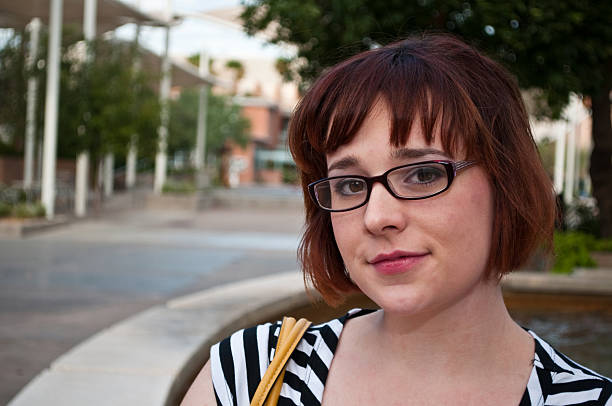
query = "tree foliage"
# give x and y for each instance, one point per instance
(104, 101)
(224, 122)
(13, 85)
(555, 47)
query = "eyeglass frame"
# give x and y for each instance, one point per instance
(452, 168)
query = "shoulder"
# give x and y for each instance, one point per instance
(200, 392)
(239, 361)
(565, 381)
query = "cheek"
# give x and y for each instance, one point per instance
(474, 222)
(344, 226)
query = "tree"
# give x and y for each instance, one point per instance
(224, 122)
(557, 47)
(237, 72)
(13, 85)
(103, 103)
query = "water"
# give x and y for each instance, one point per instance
(585, 337)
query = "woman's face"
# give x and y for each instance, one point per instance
(412, 256)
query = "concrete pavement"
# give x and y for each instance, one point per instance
(61, 286)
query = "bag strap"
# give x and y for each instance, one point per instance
(291, 333)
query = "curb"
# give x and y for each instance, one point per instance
(152, 357)
(22, 228)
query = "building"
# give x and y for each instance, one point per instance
(267, 102)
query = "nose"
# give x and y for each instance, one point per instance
(383, 212)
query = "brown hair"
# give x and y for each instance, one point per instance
(448, 85)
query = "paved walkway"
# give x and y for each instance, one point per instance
(61, 286)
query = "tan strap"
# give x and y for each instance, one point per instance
(290, 335)
(274, 394)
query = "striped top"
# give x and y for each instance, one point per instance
(239, 362)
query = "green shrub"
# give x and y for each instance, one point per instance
(28, 210)
(5, 209)
(572, 250)
(602, 245)
(290, 175)
(39, 209)
(182, 188)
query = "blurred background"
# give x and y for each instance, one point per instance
(143, 150)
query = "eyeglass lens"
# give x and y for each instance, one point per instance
(415, 181)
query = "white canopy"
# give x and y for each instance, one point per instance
(111, 14)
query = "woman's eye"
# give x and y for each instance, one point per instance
(350, 186)
(424, 174)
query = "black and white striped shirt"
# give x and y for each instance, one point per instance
(239, 362)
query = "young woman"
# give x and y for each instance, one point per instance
(423, 186)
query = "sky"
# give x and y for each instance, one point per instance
(196, 34)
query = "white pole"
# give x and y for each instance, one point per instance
(130, 174)
(109, 162)
(161, 159)
(80, 190)
(200, 149)
(568, 192)
(39, 160)
(90, 9)
(559, 159)
(32, 96)
(132, 155)
(51, 109)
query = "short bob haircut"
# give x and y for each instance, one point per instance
(448, 86)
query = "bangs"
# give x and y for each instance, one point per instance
(412, 88)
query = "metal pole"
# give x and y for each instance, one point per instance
(568, 192)
(130, 174)
(559, 159)
(109, 163)
(82, 164)
(132, 155)
(90, 11)
(32, 96)
(200, 149)
(161, 159)
(51, 108)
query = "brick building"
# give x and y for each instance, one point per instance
(263, 158)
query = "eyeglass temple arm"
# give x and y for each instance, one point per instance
(463, 164)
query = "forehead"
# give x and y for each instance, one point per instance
(395, 127)
(374, 140)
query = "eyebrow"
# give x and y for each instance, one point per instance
(403, 153)
(400, 153)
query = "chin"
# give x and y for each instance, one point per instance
(400, 301)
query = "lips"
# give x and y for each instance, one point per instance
(397, 261)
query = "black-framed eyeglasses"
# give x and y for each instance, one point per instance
(415, 181)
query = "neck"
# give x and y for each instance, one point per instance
(465, 334)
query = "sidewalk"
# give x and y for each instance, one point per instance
(64, 284)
